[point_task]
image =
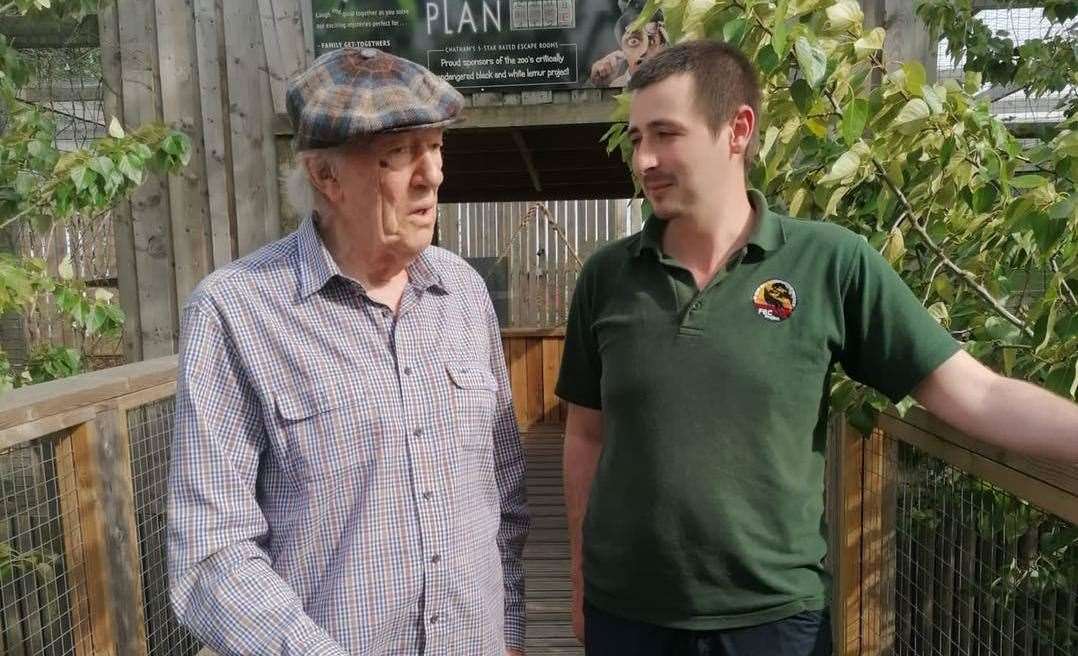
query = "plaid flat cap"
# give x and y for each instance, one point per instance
(353, 92)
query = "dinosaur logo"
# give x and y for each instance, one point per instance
(775, 300)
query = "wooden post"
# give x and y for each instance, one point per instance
(152, 222)
(878, 508)
(254, 160)
(123, 230)
(844, 497)
(907, 37)
(182, 110)
(75, 543)
(102, 462)
(209, 46)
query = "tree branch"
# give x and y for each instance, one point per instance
(969, 278)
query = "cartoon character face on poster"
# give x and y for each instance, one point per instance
(635, 46)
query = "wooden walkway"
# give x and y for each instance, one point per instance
(547, 552)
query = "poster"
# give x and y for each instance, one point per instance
(498, 44)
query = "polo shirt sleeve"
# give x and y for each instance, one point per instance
(891, 342)
(579, 380)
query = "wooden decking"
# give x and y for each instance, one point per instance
(547, 552)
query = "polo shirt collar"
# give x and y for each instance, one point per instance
(768, 235)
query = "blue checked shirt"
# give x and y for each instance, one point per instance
(345, 480)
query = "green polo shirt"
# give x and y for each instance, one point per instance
(707, 507)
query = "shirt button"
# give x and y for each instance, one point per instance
(696, 306)
(407, 371)
(435, 559)
(428, 496)
(418, 431)
(434, 619)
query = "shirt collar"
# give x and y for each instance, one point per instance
(315, 266)
(768, 235)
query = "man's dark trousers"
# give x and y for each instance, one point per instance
(804, 634)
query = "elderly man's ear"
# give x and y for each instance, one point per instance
(323, 176)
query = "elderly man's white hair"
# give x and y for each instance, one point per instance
(299, 189)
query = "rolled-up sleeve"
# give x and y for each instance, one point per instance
(222, 585)
(510, 475)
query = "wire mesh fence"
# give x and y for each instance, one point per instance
(1020, 24)
(150, 430)
(966, 567)
(44, 607)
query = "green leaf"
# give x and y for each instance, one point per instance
(843, 168)
(915, 77)
(934, 98)
(82, 177)
(912, 116)
(869, 43)
(854, 120)
(812, 61)
(940, 313)
(733, 31)
(803, 95)
(984, 198)
(116, 130)
(778, 36)
(844, 14)
(102, 166)
(1002, 330)
(894, 247)
(1027, 181)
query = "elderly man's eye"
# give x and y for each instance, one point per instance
(397, 157)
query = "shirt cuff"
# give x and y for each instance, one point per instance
(514, 632)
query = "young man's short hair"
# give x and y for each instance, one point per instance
(723, 77)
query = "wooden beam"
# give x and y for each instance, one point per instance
(845, 498)
(525, 154)
(152, 220)
(1050, 485)
(35, 402)
(122, 224)
(250, 103)
(213, 93)
(182, 110)
(109, 461)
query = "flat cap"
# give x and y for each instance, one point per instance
(354, 92)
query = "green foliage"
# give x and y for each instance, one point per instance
(48, 362)
(43, 187)
(1038, 66)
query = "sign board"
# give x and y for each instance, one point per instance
(487, 44)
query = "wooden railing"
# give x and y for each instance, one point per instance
(74, 584)
(92, 495)
(923, 534)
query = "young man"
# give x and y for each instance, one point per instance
(346, 474)
(697, 362)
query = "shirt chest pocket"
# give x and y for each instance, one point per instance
(473, 392)
(325, 430)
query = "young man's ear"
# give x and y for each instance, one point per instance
(743, 128)
(323, 177)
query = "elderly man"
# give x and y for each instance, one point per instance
(346, 475)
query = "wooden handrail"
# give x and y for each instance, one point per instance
(36, 410)
(1050, 485)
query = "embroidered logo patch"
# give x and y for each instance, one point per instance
(775, 300)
